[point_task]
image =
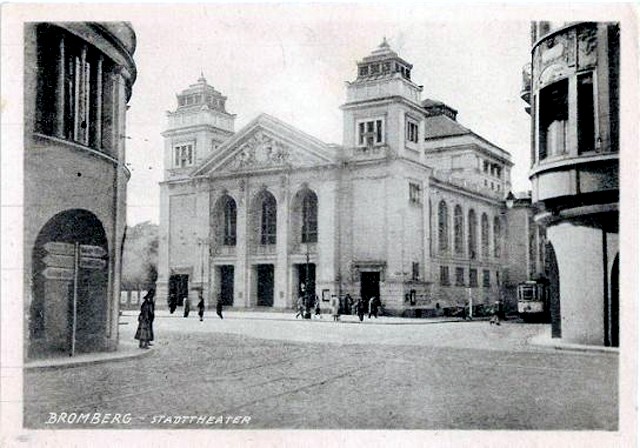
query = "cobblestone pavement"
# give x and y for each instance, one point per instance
(319, 374)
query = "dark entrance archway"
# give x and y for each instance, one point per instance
(69, 262)
(369, 285)
(553, 275)
(226, 284)
(265, 279)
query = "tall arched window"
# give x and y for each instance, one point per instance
(268, 219)
(229, 223)
(472, 237)
(310, 218)
(496, 236)
(458, 225)
(443, 227)
(485, 234)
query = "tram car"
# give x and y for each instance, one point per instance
(533, 301)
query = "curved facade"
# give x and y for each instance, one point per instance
(78, 80)
(573, 101)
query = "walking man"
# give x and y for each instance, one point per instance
(187, 307)
(219, 308)
(201, 306)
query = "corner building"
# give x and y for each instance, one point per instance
(78, 79)
(409, 208)
(572, 87)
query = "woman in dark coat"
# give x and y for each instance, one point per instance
(201, 307)
(144, 334)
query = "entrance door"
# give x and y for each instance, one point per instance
(265, 284)
(226, 285)
(178, 288)
(369, 285)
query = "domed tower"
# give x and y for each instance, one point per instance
(197, 127)
(382, 112)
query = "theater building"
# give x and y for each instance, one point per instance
(410, 208)
(77, 82)
(572, 91)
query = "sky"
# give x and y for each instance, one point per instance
(292, 61)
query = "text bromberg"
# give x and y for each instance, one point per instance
(91, 418)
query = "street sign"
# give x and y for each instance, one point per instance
(54, 247)
(58, 261)
(92, 251)
(92, 263)
(53, 273)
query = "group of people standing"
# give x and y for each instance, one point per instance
(144, 333)
(345, 305)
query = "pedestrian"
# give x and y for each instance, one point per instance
(316, 305)
(495, 318)
(219, 308)
(152, 298)
(335, 308)
(144, 332)
(348, 304)
(370, 306)
(374, 306)
(300, 305)
(173, 303)
(360, 308)
(201, 306)
(187, 306)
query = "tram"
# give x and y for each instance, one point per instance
(533, 301)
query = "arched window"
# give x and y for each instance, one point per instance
(472, 237)
(268, 218)
(485, 234)
(458, 224)
(229, 223)
(310, 218)
(443, 227)
(496, 236)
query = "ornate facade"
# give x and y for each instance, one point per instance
(409, 208)
(78, 79)
(571, 87)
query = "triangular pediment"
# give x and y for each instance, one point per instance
(266, 144)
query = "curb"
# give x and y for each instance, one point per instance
(544, 341)
(98, 358)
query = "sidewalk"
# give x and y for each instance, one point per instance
(290, 315)
(126, 350)
(544, 339)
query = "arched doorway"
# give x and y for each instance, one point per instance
(69, 267)
(553, 275)
(613, 307)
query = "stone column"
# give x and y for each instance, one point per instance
(281, 269)
(241, 270)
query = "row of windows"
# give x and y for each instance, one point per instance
(372, 132)
(554, 119)
(472, 225)
(492, 169)
(197, 98)
(378, 68)
(472, 280)
(75, 94)
(267, 215)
